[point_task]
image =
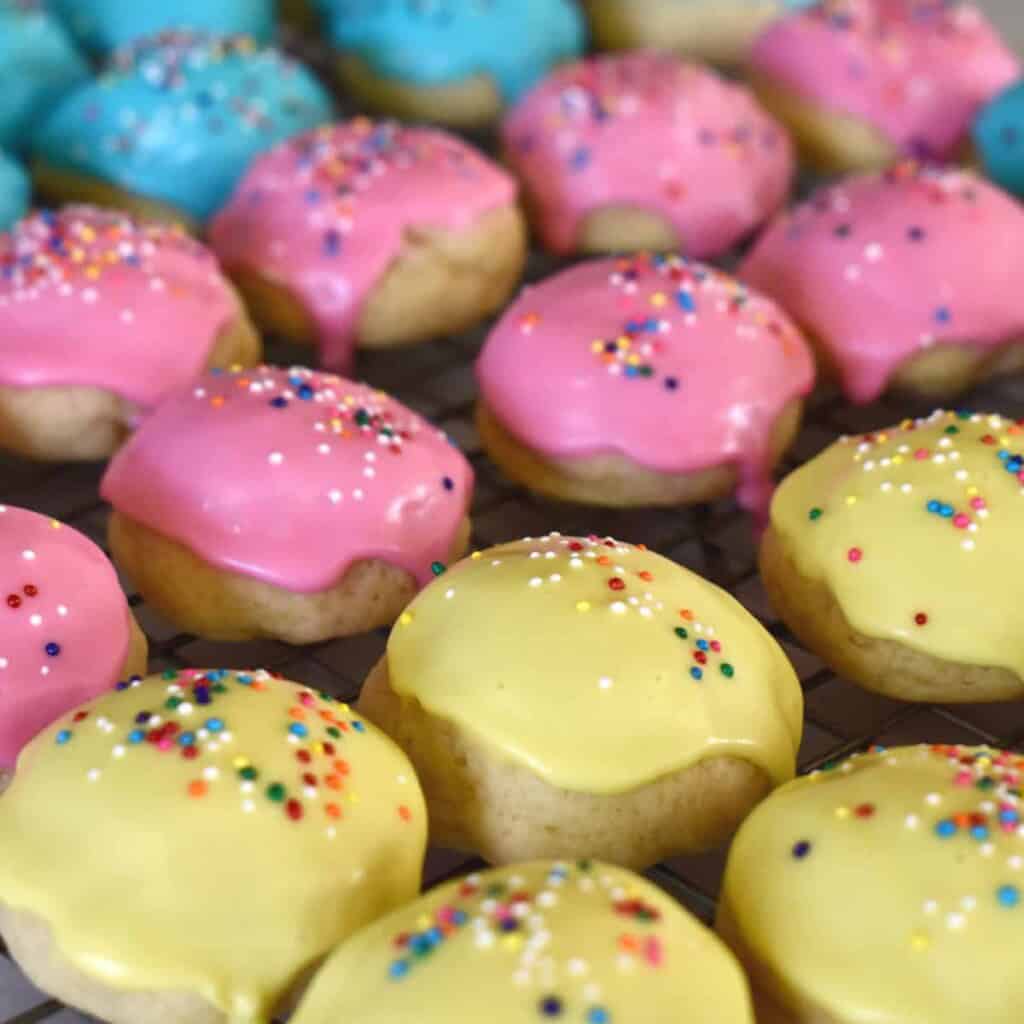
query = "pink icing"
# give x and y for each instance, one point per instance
(646, 130)
(291, 476)
(881, 267)
(64, 625)
(667, 362)
(90, 298)
(916, 70)
(325, 213)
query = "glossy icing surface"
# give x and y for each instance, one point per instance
(514, 42)
(911, 528)
(104, 25)
(14, 191)
(178, 117)
(38, 64)
(999, 139)
(91, 298)
(316, 815)
(64, 625)
(667, 362)
(915, 70)
(648, 131)
(917, 852)
(292, 476)
(325, 214)
(586, 943)
(655, 668)
(881, 268)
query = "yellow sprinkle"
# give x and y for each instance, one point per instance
(92, 273)
(919, 941)
(658, 299)
(405, 618)
(353, 798)
(241, 762)
(423, 922)
(476, 555)
(972, 491)
(512, 942)
(851, 499)
(897, 460)
(596, 346)
(583, 606)
(318, 748)
(842, 812)
(55, 524)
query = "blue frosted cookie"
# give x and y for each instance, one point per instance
(999, 139)
(103, 25)
(14, 192)
(173, 123)
(38, 64)
(458, 61)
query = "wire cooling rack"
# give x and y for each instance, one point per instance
(714, 540)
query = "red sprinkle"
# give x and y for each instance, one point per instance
(293, 809)
(921, 619)
(616, 584)
(855, 554)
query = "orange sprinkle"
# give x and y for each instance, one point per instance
(404, 813)
(645, 576)
(333, 782)
(198, 788)
(217, 401)
(685, 613)
(333, 810)
(603, 560)
(297, 713)
(628, 943)
(342, 767)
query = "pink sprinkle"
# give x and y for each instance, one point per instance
(653, 951)
(978, 503)
(165, 745)
(921, 453)
(962, 779)
(855, 554)
(715, 646)
(961, 521)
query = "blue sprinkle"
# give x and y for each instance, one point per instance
(685, 300)
(202, 695)
(598, 1015)
(280, 402)
(298, 729)
(187, 739)
(305, 392)
(52, 649)
(359, 727)
(448, 483)
(1008, 895)
(63, 736)
(214, 724)
(399, 969)
(696, 672)
(979, 832)
(943, 315)
(702, 645)
(136, 736)
(944, 829)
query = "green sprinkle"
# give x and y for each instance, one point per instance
(333, 731)
(727, 670)
(815, 513)
(437, 568)
(249, 773)
(276, 792)
(171, 703)
(169, 673)
(681, 633)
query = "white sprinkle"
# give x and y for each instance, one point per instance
(449, 593)
(248, 806)
(535, 581)
(118, 751)
(211, 773)
(911, 821)
(605, 682)
(36, 620)
(955, 921)
(275, 458)
(555, 578)
(28, 555)
(62, 609)
(334, 496)
(4, 663)
(933, 799)
(618, 607)
(93, 774)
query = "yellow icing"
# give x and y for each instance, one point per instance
(883, 919)
(159, 872)
(528, 648)
(939, 584)
(587, 944)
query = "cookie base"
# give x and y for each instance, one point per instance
(222, 605)
(480, 803)
(626, 229)
(615, 481)
(889, 667)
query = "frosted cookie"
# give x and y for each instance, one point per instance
(862, 82)
(999, 139)
(38, 64)
(907, 280)
(587, 943)
(372, 234)
(286, 504)
(104, 25)
(453, 61)
(14, 192)
(172, 123)
(568, 697)
(101, 317)
(719, 31)
(66, 632)
(887, 556)
(645, 381)
(265, 822)
(916, 853)
(642, 151)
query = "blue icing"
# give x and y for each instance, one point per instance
(433, 42)
(103, 25)
(179, 118)
(14, 192)
(999, 139)
(38, 64)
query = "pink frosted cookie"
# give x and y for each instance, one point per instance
(908, 279)
(644, 381)
(66, 632)
(860, 82)
(372, 234)
(285, 503)
(641, 151)
(101, 316)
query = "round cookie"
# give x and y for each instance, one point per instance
(905, 280)
(862, 82)
(568, 697)
(285, 503)
(888, 889)
(38, 64)
(170, 126)
(14, 192)
(713, 167)
(719, 31)
(586, 943)
(66, 631)
(104, 25)
(457, 62)
(887, 556)
(229, 830)
(643, 381)
(999, 139)
(101, 317)
(372, 234)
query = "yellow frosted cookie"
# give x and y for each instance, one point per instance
(581, 697)
(190, 846)
(889, 556)
(583, 943)
(888, 890)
